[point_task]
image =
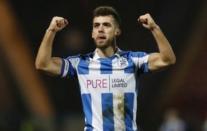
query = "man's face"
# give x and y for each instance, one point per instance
(104, 31)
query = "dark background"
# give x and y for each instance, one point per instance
(180, 20)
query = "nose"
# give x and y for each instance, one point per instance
(100, 29)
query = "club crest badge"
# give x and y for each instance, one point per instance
(122, 62)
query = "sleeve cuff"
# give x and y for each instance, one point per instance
(64, 68)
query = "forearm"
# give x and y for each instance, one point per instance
(165, 50)
(44, 60)
(165, 56)
(44, 55)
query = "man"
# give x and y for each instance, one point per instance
(173, 122)
(107, 76)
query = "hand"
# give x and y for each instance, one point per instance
(147, 21)
(57, 24)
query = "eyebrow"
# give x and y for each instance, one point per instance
(104, 23)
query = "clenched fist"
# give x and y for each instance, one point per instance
(147, 21)
(57, 24)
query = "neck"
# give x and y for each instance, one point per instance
(106, 52)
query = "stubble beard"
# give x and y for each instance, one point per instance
(105, 44)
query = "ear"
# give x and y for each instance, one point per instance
(118, 32)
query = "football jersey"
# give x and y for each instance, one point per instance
(108, 88)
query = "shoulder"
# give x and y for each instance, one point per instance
(133, 53)
(80, 56)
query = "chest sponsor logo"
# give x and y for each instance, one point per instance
(97, 83)
(106, 83)
(116, 83)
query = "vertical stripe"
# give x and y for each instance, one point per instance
(83, 67)
(71, 69)
(97, 112)
(106, 66)
(119, 123)
(109, 84)
(86, 100)
(130, 67)
(135, 112)
(128, 107)
(142, 60)
(144, 68)
(107, 110)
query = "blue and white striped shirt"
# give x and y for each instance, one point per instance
(108, 88)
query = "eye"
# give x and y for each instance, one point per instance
(107, 24)
(95, 25)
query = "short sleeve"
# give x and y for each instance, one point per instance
(141, 61)
(69, 66)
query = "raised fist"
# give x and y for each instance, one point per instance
(147, 21)
(57, 24)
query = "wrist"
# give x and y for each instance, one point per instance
(51, 30)
(155, 27)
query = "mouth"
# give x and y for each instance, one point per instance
(101, 38)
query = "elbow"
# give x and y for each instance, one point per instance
(40, 65)
(171, 61)
(37, 67)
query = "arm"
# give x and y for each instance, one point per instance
(44, 60)
(165, 57)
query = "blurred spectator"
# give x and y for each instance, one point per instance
(205, 125)
(172, 122)
(73, 42)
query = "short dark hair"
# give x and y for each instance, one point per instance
(107, 10)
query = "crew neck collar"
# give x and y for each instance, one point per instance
(96, 56)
